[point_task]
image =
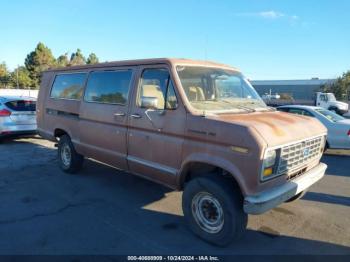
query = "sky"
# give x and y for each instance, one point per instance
(266, 39)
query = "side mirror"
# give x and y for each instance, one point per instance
(149, 102)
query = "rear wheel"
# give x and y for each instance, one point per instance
(69, 160)
(213, 209)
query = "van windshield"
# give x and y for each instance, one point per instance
(218, 89)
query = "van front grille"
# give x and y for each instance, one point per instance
(297, 155)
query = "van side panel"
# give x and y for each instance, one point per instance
(44, 91)
(103, 127)
(58, 114)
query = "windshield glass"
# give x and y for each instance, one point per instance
(330, 115)
(217, 89)
(331, 97)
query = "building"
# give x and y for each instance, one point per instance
(302, 91)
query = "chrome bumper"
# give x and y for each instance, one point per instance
(266, 200)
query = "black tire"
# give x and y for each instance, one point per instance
(228, 196)
(76, 160)
(326, 147)
(335, 110)
(296, 197)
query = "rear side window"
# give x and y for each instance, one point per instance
(21, 105)
(110, 87)
(68, 86)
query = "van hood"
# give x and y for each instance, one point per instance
(277, 128)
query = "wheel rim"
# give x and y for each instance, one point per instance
(208, 212)
(66, 156)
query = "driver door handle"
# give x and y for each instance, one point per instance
(119, 114)
(137, 116)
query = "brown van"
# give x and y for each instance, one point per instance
(190, 125)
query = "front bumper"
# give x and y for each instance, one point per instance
(342, 111)
(266, 200)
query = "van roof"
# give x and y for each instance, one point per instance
(150, 61)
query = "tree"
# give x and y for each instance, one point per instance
(340, 88)
(77, 58)
(21, 77)
(5, 77)
(37, 61)
(62, 60)
(92, 59)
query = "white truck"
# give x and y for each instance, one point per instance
(328, 101)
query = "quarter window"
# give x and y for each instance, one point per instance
(156, 83)
(68, 86)
(111, 87)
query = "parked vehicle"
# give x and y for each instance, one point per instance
(190, 125)
(328, 101)
(338, 127)
(17, 115)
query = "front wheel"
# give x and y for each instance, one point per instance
(69, 160)
(213, 208)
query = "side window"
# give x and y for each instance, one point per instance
(156, 84)
(300, 112)
(111, 87)
(296, 111)
(283, 109)
(307, 113)
(68, 86)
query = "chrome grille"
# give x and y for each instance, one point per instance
(297, 155)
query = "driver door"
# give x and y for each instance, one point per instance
(323, 101)
(156, 126)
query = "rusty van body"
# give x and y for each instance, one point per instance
(190, 125)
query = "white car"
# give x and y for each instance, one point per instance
(338, 126)
(17, 116)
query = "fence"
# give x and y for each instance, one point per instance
(19, 92)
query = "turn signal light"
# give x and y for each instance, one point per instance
(268, 171)
(5, 112)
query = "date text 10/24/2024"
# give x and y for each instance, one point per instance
(173, 258)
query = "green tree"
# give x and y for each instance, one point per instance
(62, 60)
(20, 77)
(92, 59)
(77, 58)
(340, 88)
(38, 61)
(5, 77)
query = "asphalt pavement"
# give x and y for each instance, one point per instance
(105, 211)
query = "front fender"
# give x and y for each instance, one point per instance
(214, 161)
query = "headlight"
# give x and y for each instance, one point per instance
(270, 158)
(269, 164)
